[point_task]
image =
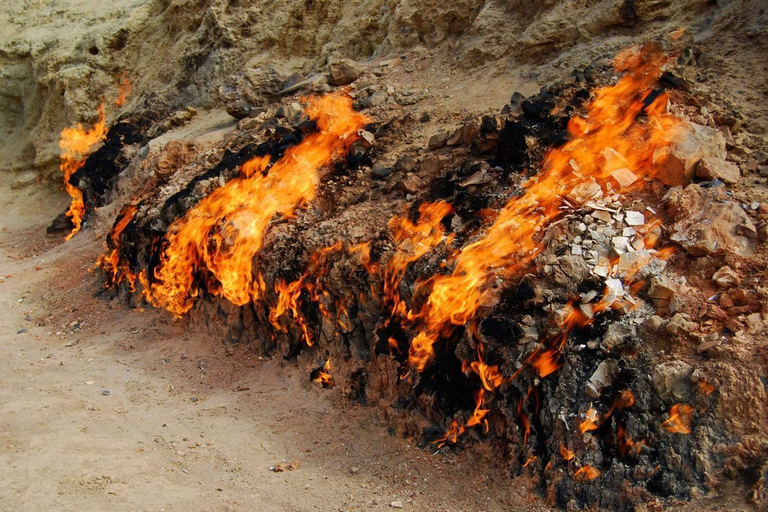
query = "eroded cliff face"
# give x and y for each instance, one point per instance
(58, 60)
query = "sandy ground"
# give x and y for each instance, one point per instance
(107, 408)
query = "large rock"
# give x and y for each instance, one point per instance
(707, 224)
(344, 71)
(688, 145)
(712, 168)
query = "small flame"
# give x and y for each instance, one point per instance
(705, 388)
(116, 269)
(323, 375)
(627, 445)
(76, 144)
(590, 421)
(478, 416)
(680, 419)
(451, 435)
(586, 473)
(124, 88)
(565, 452)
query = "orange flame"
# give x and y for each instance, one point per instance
(323, 375)
(224, 232)
(626, 444)
(451, 436)
(590, 421)
(478, 416)
(608, 142)
(586, 473)
(680, 419)
(414, 240)
(111, 263)
(124, 88)
(705, 388)
(76, 144)
(566, 453)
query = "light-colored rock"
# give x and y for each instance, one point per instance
(726, 277)
(689, 144)
(343, 71)
(710, 168)
(707, 224)
(602, 378)
(672, 381)
(24, 179)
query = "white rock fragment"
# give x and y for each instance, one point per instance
(635, 218)
(614, 290)
(577, 250)
(624, 177)
(630, 231)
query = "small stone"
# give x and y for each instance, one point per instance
(396, 504)
(624, 177)
(707, 346)
(726, 277)
(344, 71)
(105, 392)
(24, 179)
(410, 183)
(672, 381)
(437, 141)
(382, 171)
(679, 325)
(602, 216)
(405, 164)
(716, 313)
(710, 168)
(739, 297)
(653, 323)
(633, 218)
(354, 470)
(602, 378)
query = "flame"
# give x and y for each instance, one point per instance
(586, 473)
(530, 460)
(680, 419)
(124, 88)
(490, 377)
(626, 444)
(76, 144)
(323, 375)
(565, 452)
(413, 239)
(705, 388)
(608, 140)
(590, 421)
(218, 239)
(451, 435)
(116, 269)
(288, 294)
(478, 416)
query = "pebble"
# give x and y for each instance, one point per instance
(396, 504)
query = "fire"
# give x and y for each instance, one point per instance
(566, 453)
(607, 143)
(478, 416)
(323, 375)
(590, 421)
(452, 435)
(680, 419)
(626, 444)
(124, 89)
(586, 473)
(217, 240)
(705, 387)
(76, 144)
(413, 239)
(115, 268)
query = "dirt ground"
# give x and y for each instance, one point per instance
(107, 408)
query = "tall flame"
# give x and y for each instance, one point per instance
(76, 144)
(610, 141)
(116, 269)
(222, 234)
